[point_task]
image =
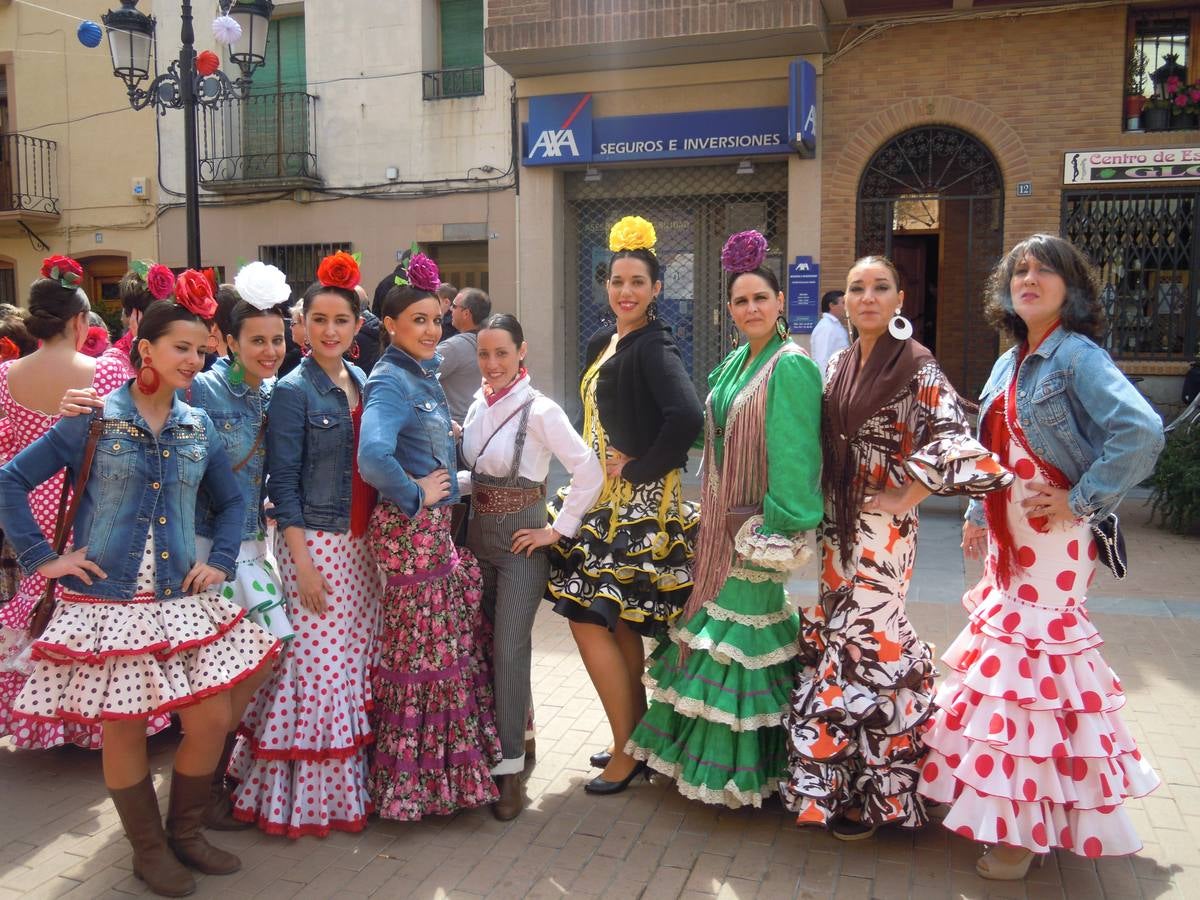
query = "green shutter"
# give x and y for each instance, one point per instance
(462, 33)
(272, 126)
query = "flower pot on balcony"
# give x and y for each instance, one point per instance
(1156, 119)
(1184, 122)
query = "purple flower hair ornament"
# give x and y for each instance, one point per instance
(743, 252)
(422, 273)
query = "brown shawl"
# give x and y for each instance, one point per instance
(851, 398)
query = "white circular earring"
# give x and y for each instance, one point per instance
(900, 328)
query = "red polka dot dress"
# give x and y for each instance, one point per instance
(20, 428)
(1028, 745)
(301, 762)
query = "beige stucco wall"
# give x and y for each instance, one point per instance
(54, 83)
(638, 91)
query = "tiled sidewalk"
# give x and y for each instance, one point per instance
(59, 835)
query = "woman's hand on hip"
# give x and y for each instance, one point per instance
(614, 463)
(896, 501)
(74, 563)
(529, 539)
(974, 541)
(435, 487)
(1050, 503)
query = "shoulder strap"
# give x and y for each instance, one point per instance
(258, 439)
(516, 412)
(67, 512)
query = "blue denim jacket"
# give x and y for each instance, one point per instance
(237, 412)
(310, 442)
(406, 431)
(1082, 415)
(137, 482)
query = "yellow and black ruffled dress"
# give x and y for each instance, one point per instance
(632, 556)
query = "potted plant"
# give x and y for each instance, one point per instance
(1135, 70)
(1185, 107)
(1156, 114)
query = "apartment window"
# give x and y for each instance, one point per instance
(460, 33)
(299, 261)
(1160, 60)
(8, 284)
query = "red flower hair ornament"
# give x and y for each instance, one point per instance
(64, 270)
(9, 349)
(340, 271)
(193, 291)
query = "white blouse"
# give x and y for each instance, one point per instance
(549, 433)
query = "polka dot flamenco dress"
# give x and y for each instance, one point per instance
(140, 658)
(1028, 745)
(20, 428)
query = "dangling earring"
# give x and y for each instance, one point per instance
(306, 350)
(354, 350)
(652, 311)
(781, 328)
(236, 373)
(148, 379)
(900, 328)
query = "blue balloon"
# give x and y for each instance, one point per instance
(89, 34)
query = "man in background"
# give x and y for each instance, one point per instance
(446, 293)
(459, 371)
(830, 335)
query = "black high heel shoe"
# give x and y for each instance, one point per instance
(600, 760)
(599, 786)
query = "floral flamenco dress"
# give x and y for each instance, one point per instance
(863, 698)
(631, 559)
(20, 428)
(1028, 745)
(715, 717)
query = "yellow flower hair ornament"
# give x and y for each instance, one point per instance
(632, 233)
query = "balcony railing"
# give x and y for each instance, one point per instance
(445, 84)
(265, 141)
(28, 174)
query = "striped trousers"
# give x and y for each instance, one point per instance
(513, 588)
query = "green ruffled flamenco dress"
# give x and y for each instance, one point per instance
(715, 718)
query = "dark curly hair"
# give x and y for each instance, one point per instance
(1082, 311)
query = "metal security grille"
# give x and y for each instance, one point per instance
(299, 261)
(693, 209)
(1144, 244)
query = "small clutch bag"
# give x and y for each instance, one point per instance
(1110, 544)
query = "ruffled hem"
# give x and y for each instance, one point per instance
(278, 829)
(1021, 620)
(750, 620)
(304, 754)
(693, 708)
(407, 790)
(730, 795)
(771, 551)
(296, 798)
(1038, 826)
(93, 632)
(725, 653)
(257, 589)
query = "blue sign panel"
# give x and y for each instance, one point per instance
(804, 280)
(561, 131)
(802, 107)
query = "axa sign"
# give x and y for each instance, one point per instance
(559, 130)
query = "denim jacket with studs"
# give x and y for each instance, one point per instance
(138, 483)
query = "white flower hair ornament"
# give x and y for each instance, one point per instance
(262, 286)
(226, 30)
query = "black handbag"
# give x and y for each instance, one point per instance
(1110, 544)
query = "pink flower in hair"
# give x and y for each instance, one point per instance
(423, 273)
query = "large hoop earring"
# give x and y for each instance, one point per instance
(781, 328)
(900, 328)
(652, 310)
(148, 379)
(355, 350)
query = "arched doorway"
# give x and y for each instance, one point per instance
(932, 199)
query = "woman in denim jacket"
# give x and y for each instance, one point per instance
(435, 737)
(302, 762)
(1027, 745)
(141, 628)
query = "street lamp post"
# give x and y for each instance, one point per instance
(132, 45)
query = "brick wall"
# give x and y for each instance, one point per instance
(543, 24)
(1030, 88)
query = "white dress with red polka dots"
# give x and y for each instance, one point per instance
(301, 761)
(1027, 744)
(103, 660)
(20, 428)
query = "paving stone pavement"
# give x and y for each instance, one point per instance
(59, 834)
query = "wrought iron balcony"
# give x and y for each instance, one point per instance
(262, 142)
(28, 178)
(445, 84)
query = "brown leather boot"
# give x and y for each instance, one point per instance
(530, 750)
(218, 812)
(153, 861)
(185, 812)
(512, 797)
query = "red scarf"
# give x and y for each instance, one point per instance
(362, 496)
(1003, 426)
(493, 397)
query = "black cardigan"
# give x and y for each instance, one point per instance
(646, 401)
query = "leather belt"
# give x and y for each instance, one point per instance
(491, 500)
